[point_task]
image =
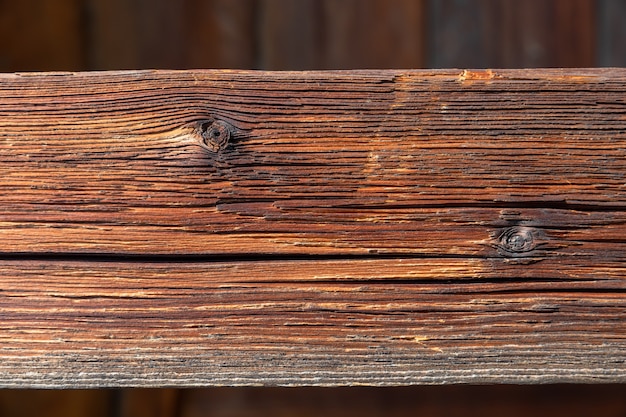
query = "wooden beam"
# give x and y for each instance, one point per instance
(189, 228)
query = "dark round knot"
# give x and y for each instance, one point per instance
(516, 239)
(215, 135)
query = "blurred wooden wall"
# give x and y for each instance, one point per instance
(37, 35)
(422, 401)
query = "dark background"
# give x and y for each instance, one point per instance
(76, 35)
(72, 35)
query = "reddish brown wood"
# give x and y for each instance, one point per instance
(312, 228)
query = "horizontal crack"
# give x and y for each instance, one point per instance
(245, 257)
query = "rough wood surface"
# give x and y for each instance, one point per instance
(316, 228)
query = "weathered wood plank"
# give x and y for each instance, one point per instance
(424, 163)
(326, 228)
(296, 322)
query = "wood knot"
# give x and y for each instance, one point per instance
(516, 240)
(215, 135)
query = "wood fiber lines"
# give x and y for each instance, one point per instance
(312, 228)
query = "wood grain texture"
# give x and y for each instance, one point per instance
(312, 228)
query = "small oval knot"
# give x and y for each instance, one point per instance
(516, 239)
(215, 135)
